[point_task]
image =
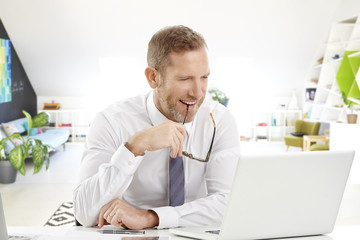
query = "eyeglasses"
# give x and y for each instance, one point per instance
(189, 155)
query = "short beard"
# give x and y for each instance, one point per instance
(176, 115)
(171, 110)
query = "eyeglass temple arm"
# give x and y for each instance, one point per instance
(212, 140)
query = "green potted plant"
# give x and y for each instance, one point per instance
(351, 118)
(29, 146)
(7, 170)
(219, 96)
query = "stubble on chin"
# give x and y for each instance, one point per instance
(167, 108)
(171, 106)
(176, 115)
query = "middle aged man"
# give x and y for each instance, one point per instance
(163, 159)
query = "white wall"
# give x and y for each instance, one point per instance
(85, 51)
(347, 9)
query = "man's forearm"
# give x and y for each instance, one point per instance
(119, 213)
(93, 193)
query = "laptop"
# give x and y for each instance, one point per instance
(3, 229)
(282, 195)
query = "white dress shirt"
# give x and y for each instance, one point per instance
(109, 170)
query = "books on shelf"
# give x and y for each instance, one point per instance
(287, 122)
(273, 121)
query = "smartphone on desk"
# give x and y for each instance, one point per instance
(131, 234)
(122, 231)
(144, 238)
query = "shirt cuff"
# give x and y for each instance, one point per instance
(168, 217)
(125, 160)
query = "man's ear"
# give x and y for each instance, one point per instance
(150, 74)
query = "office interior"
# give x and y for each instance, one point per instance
(85, 55)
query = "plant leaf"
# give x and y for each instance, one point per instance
(37, 155)
(46, 155)
(17, 159)
(1, 153)
(22, 169)
(14, 135)
(28, 116)
(40, 120)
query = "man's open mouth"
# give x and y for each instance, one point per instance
(188, 103)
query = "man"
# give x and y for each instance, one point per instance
(125, 179)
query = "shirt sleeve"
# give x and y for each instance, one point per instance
(106, 171)
(219, 176)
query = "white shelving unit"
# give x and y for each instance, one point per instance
(78, 119)
(326, 105)
(278, 124)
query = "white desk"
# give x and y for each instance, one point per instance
(346, 137)
(79, 233)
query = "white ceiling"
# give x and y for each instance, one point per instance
(61, 42)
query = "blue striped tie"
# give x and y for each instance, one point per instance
(176, 181)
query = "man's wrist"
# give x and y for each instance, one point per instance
(152, 219)
(135, 149)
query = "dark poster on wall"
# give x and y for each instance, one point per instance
(22, 94)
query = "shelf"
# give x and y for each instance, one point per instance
(285, 111)
(274, 133)
(324, 88)
(78, 118)
(343, 42)
(317, 66)
(311, 85)
(264, 127)
(336, 75)
(336, 93)
(334, 108)
(355, 54)
(355, 100)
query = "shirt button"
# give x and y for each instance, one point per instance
(130, 163)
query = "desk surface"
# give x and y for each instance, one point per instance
(69, 233)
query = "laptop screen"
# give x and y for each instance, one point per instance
(3, 230)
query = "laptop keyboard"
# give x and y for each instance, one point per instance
(213, 231)
(11, 237)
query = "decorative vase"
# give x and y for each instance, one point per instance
(293, 104)
(352, 118)
(225, 102)
(7, 172)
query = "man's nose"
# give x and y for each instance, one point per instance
(196, 89)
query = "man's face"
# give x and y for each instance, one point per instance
(182, 85)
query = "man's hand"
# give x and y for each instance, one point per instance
(167, 134)
(119, 213)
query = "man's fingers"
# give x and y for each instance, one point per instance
(128, 216)
(182, 129)
(180, 139)
(109, 212)
(101, 221)
(176, 144)
(104, 212)
(101, 216)
(117, 219)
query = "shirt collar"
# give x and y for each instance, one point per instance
(156, 117)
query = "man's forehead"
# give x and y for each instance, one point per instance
(181, 58)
